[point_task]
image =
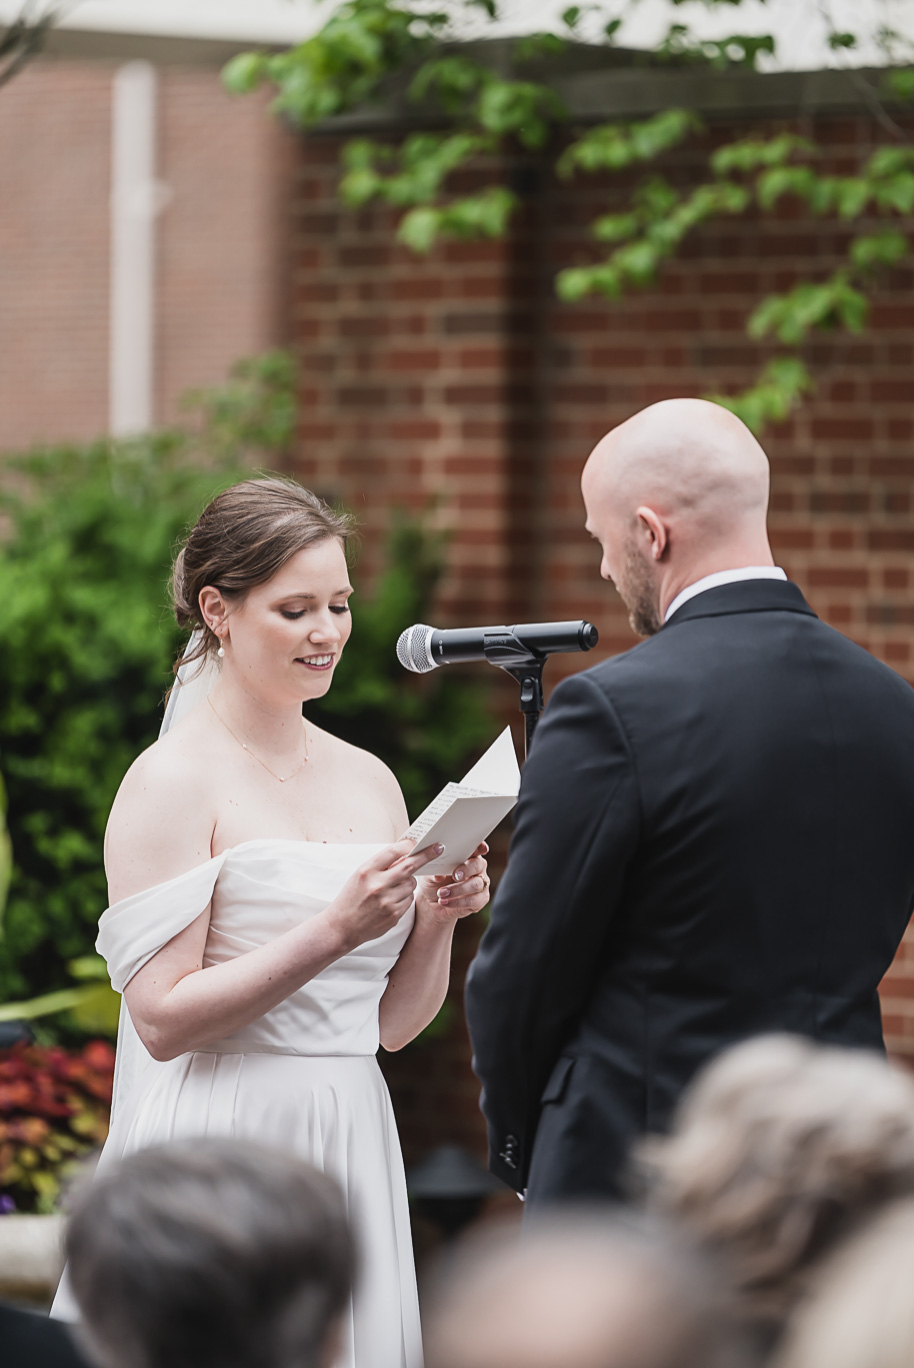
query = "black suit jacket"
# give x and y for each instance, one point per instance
(28, 1339)
(714, 838)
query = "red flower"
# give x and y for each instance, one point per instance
(54, 1106)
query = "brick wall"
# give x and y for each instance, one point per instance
(221, 262)
(461, 377)
(54, 173)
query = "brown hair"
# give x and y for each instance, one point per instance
(241, 539)
(210, 1253)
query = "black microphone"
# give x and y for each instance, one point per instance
(423, 648)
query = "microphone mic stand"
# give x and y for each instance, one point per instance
(526, 666)
(530, 678)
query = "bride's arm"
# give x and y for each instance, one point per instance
(160, 827)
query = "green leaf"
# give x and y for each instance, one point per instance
(98, 1011)
(419, 229)
(851, 196)
(519, 108)
(887, 248)
(826, 305)
(616, 227)
(88, 967)
(484, 215)
(837, 41)
(750, 154)
(577, 282)
(359, 187)
(360, 46)
(852, 308)
(774, 183)
(901, 84)
(615, 146)
(6, 850)
(452, 80)
(772, 398)
(889, 161)
(897, 193)
(48, 1004)
(537, 46)
(244, 73)
(740, 49)
(364, 154)
(574, 283)
(638, 261)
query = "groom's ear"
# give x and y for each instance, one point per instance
(654, 531)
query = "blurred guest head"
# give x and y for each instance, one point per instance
(779, 1150)
(860, 1311)
(210, 1252)
(577, 1291)
(677, 492)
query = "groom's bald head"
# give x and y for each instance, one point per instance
(676, 492)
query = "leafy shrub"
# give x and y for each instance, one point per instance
(6, 851)
(54, 1107)
(89, 640)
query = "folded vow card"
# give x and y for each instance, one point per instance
(464, 814)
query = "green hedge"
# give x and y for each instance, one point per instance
(88, 643)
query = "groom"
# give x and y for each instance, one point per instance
(715, 833)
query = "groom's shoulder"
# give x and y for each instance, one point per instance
(632, 667)
(611, 682)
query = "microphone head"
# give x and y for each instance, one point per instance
(414, 649)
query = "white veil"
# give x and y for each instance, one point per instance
(192, 684)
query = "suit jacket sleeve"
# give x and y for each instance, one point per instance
(576, 828)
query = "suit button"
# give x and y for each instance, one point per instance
(508, 1155)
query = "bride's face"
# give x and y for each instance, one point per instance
(286, 637)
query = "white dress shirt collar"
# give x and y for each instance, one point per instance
(745, 572)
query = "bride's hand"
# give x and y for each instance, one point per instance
(378, 894)
(447, 897)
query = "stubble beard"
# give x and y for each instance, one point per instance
(638, 593)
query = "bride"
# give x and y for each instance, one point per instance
(268, 928)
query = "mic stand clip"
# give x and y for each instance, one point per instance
(530, 678)
(511, 655)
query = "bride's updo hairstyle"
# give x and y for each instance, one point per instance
(241, 539)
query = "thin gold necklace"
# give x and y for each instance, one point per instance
(281, 779)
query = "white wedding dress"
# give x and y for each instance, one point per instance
(304, 1076)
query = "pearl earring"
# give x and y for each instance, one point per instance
(221, 651)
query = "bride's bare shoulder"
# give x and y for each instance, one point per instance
(364, 769)
(162, 819)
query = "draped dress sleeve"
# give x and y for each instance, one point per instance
(130, 933)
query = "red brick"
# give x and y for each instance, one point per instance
(417, 287)
(843, 429)
(414, 429)
(892, 391)
(428, 359)
(891, 539)
(365, 325)
(847, 577)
